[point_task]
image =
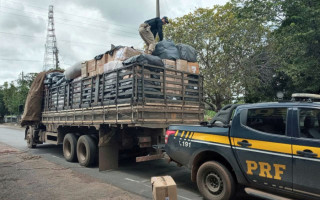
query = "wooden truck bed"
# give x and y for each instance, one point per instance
(137, 96)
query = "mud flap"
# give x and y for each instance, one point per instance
(108, 149)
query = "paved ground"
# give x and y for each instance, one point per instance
(131, 177)
(26, 176)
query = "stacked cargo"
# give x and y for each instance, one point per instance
(107, 62)
(183, 59)
(126, 75)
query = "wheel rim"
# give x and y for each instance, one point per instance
(214, 183)
(82, 152)
(67, 149)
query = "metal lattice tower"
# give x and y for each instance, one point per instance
(51, 59)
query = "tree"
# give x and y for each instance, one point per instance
(13, 95)
(298, 44)
(23, 85)
(224, 43)
(293, 43)
(3, 110)
(10, 99)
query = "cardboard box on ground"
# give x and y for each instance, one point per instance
(164, 188)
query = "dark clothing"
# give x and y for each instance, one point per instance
(156, 27)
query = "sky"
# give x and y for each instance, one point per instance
(83, 28)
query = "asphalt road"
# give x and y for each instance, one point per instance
(132, 177)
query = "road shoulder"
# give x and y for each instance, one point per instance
(26, 176)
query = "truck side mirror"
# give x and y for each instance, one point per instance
(204, 123)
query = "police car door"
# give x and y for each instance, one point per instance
(262, 143)
(306, 151)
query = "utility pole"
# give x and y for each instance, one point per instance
(158, 8)
(51, 59)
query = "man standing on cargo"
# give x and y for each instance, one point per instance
(149, 29)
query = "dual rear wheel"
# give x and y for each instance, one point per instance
(30, 137)
(83, 148)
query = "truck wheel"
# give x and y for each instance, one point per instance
(70, 147)
(86, 150)
(30, 140)
(215, 182)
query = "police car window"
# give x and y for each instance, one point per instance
(309, 120)
(268, 120)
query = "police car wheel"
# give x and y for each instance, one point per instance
(215, 182)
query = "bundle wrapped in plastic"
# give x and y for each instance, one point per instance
(125, 53)
(166, 49)
(73, 72)
(112, 65)
(54, 79)
(144, 59)
(187, 52)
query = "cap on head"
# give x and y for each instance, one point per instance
(166, 19)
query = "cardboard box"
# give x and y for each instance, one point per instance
(169, 63)
(172, 85)
(102, 61)
(125, 53)
(110, 57)
(193, 67)
(94, 73)
(100, 69)
(164, 188)
(92, 65)
(84, 69)
(182, 65)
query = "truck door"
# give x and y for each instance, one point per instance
(262, 142)
(306, 151)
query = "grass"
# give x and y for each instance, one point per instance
(209, 114)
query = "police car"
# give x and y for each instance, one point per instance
(269, 148)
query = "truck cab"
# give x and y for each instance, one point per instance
(273, 147)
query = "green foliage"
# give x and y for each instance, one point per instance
(209, 114)
(292, 50)
(224, 43)
(298, 44)
(14, 94)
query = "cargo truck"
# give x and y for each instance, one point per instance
(123, 112)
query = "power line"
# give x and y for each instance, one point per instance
(16, 60)
(66, 41)
(64, 19)
(43, 14)
(94, 19)
(118, 33)
(21, 60)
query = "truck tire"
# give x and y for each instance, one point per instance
(70, 147)
(30, 138)
(215, 182)
(86, 150)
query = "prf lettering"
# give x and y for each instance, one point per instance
(265, 169)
